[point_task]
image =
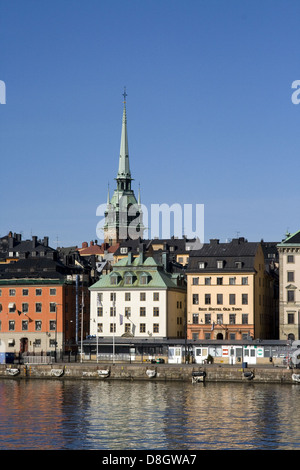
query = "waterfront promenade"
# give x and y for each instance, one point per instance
(154, 372)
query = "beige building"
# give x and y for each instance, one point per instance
(289, 287)
(230, 294)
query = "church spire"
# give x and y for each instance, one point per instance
(124, 170)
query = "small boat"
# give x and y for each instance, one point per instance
(11, 371)
(103, 373)
(198, 376)
(296, 377)
(151, 373)
(57, 372)
(248, 375)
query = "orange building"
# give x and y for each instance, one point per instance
(42, 304)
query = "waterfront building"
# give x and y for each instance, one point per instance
(41, 308)
(139, 299)
(289, 286)
(230, 294)
(123, 216)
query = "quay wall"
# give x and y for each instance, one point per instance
(153, 372)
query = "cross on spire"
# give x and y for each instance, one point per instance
(124, 94)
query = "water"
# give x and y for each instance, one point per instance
(110, 415)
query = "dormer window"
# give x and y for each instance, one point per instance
(220, 264)
(144, 278)
(114, 278)
(201, 265)
(238, 264)
(128, 278)
(124, 250)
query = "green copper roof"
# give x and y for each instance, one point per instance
(124, 170)
(157, 277)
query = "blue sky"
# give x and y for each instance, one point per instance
(210, 116)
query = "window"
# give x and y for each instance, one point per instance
(52, 343)
(127, 312)
(25, 292)
(219, 299)
(142, 327)
(142, 296)
(99, 327)
(0, 308)
(11, 325)
(38, 325)
(232, 318)
(112, 328)
(207, 281)
(52, 325)
(142, 311)
(290, 276)
(123, 250)
(24, 325)
(245, 318)
(219, 281)
(232, 281)
(99, 298)
(220, 318)
(100, 311)
(112, 296)
(38, 307)
(11, 308)
(238, 265)
(38, 291)
(195, 319)
(52, 291)
(291, 318)
(291, 296)
(155, 311)
(207, 299)
(220, 264)
(52, 307)
(245, 281)
(12, 292)
(114, 279)
(195, 299)
(201, 265)
(155, 295)
(144, 278)
(128, 278)
(0, 292)
(155, 328)
(127, 327)
(38, 343)
(24, 308)
(231, 299)
(127, 296)
(290, 258)
(113, 311)
(207, 318)
(244, 299)
(195, 281)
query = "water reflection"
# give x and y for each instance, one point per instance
(109, 415)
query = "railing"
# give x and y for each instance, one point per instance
(38, 359)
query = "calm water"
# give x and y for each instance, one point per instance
(108, 415)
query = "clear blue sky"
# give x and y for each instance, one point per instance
(210, 116)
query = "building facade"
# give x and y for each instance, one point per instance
(289, 287)
(139, 298)
(230, 293)
(44, 303)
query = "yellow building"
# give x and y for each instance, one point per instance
(230, 294)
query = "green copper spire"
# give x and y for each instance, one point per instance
(124, 170)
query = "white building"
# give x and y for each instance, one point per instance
(139, 298)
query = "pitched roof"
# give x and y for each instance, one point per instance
(238, 250)
(292, 239)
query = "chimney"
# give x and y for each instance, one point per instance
(46, 241)
(34, 242)
(84, 245)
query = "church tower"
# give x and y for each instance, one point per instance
(123, 216)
